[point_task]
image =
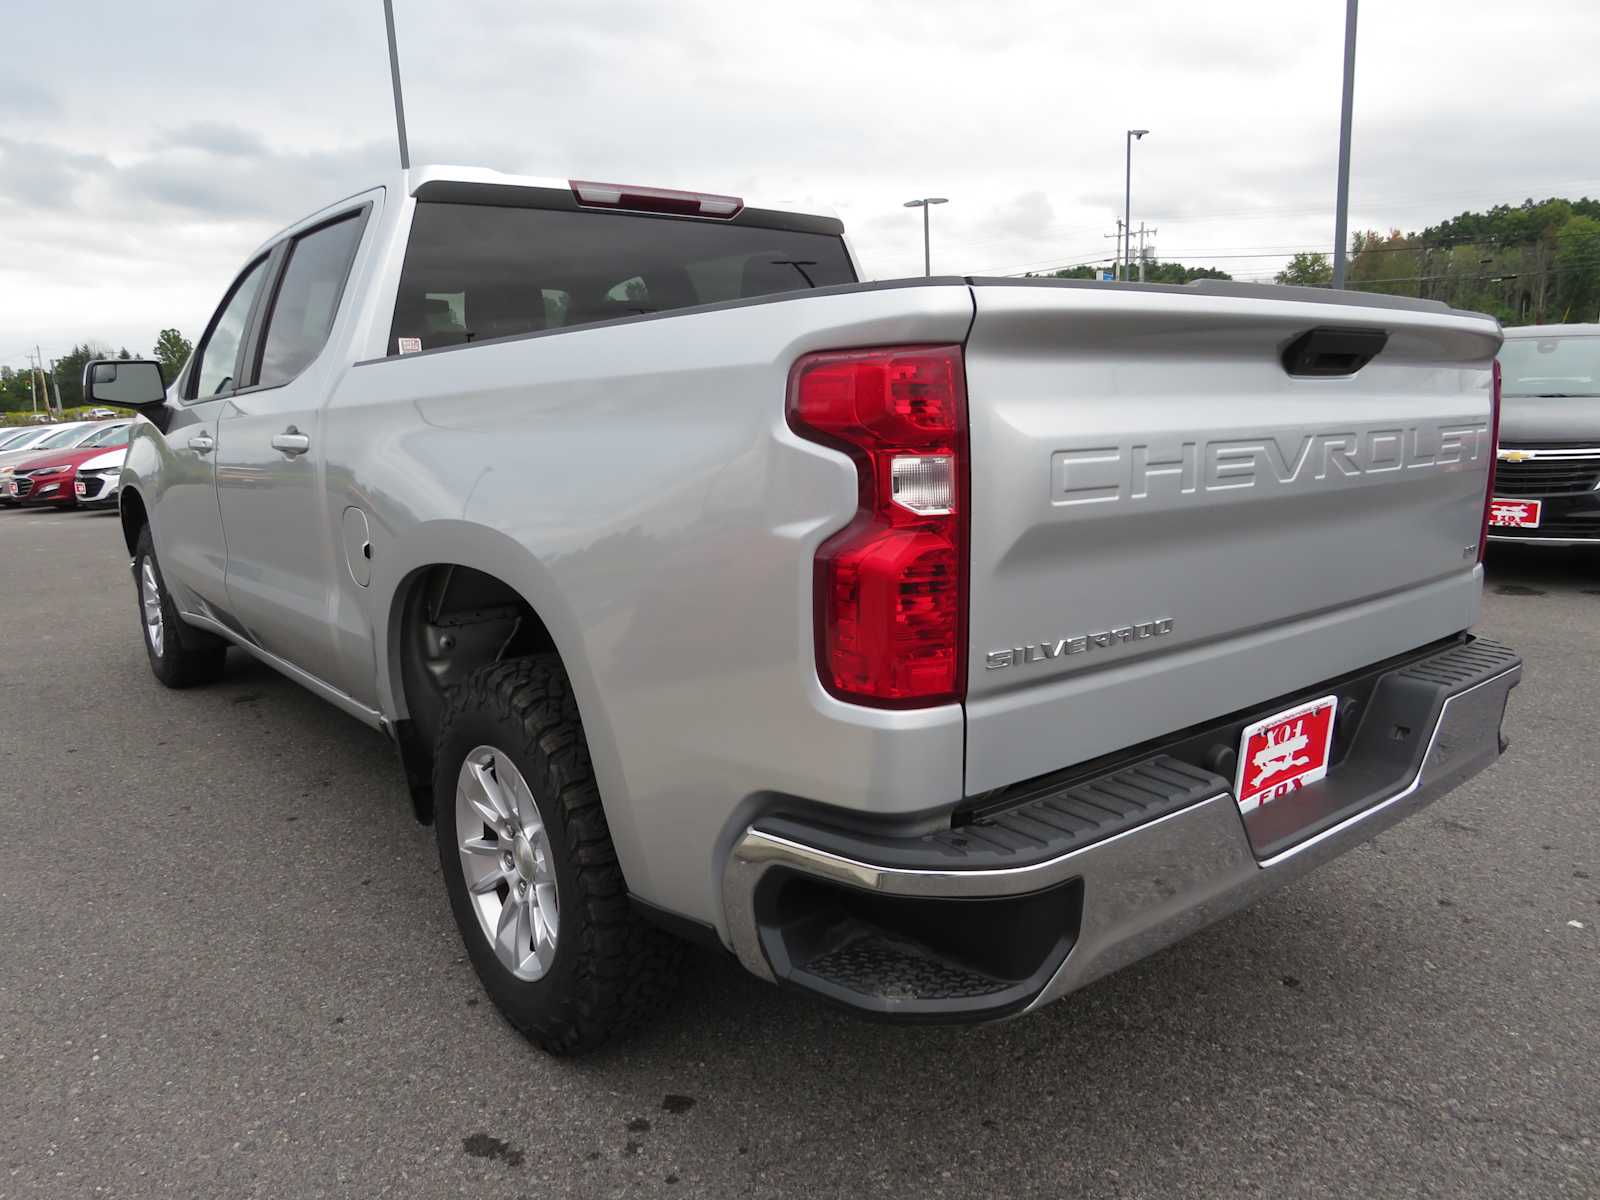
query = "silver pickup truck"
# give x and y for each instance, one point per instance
(934, 646)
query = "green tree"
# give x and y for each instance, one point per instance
(69, 371)
(1172, 272)
(13, 390)
(1578, 270)
(1154, 272)
(1307, 270)
(172, 351)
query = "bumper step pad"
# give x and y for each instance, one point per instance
(1049, 822)
(879, 968)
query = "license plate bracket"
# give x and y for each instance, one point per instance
(1506, 513)
(1283, 753)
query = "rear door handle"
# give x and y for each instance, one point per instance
(291, 442)
(202, 443)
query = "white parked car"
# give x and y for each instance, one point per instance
(96, 484)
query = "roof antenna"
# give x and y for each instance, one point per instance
(394, 74)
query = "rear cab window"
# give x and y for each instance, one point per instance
(477, 271)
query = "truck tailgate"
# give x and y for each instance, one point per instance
(1167, 525)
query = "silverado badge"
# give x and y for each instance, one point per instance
(1084, 642)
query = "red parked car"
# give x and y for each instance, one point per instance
(48, 478)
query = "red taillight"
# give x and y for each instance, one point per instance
(891, 588)
(1494, 459)
(649, 199)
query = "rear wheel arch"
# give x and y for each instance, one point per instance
(446, 620)
(133, 514)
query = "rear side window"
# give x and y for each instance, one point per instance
(308, 297)
(474, 271)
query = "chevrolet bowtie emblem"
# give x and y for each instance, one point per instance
(1514, 456)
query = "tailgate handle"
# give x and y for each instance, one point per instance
(1325, 352)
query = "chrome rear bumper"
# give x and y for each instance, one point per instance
(1144, 888)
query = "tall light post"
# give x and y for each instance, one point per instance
(394, 78)
(1341, 212)
(1127, 197)
(924, 204)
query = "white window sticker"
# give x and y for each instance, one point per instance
(410, 345)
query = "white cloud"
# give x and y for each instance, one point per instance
(133, 183)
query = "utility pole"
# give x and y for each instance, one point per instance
(394, 78)
(1142, 232)
(33, 385)
(44, 381)
(1117, 270)
(1341, 218)
(1127, 187)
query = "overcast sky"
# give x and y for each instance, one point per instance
(146, 148)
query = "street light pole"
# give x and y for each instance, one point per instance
(1127, 192)
(927, 253)
(1341, 217)
(394, 77)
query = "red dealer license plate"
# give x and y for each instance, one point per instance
(1515, 514)
(1283, 753)
(78, 489)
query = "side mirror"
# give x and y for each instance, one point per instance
(123, 382)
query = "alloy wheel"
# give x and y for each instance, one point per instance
(507, 863)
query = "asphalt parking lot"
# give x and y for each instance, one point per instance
(228, 968)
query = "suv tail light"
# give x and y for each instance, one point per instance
(891, 587)
(1494, 459)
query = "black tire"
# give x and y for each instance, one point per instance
(187, 656)
(610, 967)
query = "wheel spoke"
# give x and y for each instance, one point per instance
(483, 847)
(486, 882)
(495, 790)
(549, 912)
(483, 793)
(511, 932)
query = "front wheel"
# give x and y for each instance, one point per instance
(528, 862)
(180, 656)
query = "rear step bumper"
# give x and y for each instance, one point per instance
(1020, 907)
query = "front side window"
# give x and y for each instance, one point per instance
(212, 373)
(475, 271)
(308, 297)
